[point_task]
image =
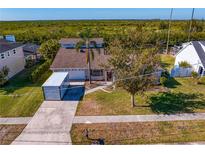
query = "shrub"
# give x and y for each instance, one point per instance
(194, 74)
(4, 75)
(165, 74)
(184, 64)
(30, 62)
(39, 71)
(201, 80)
(163, 81)
(49, 49)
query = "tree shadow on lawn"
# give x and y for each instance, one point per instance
(22, 80)
(171, 103)
(172, 83)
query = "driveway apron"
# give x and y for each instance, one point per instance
(50, 125)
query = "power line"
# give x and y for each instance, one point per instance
(77, 87)
(190, 26)
(168, 35)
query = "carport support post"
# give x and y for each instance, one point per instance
(43, 93)
(105, 75)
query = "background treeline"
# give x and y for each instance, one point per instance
(40, 31)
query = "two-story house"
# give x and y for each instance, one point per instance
(12, 56)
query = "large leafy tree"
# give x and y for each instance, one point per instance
(89, 45)
(134, 66)
(49, 49)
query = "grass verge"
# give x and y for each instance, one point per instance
(175, 132)
(8, 133)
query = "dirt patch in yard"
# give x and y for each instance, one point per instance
(178, 132)
(89, 106)
(8, 133)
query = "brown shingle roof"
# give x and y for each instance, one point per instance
(70, 58)
(76, 40)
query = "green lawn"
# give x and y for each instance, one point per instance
(167, 61)
(181, 95)
(21, 97)
(141, 132)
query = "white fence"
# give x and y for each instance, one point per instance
(181, 72)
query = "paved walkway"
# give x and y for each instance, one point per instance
(98, 88)
(20, 120)
(50, 125)
(137, 118)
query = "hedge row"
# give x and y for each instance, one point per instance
(39, 71)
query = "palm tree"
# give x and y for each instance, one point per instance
(86, 41)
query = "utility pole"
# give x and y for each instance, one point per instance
(168, 35)
(190, 26)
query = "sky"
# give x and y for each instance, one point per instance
(80, 13)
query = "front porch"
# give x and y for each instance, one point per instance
(101, 75)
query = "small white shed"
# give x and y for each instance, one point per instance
(56, 86)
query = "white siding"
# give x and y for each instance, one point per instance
(15, 62)
(76, 74)
(51, 93)
(188, 54)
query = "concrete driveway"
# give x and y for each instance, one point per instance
(50, 125)
(74, 93)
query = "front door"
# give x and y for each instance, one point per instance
(109, 76)
(201, 70)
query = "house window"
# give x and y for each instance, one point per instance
(99, 45)
(68, 46)
(14, 51)
(97, 72)
(2, 56)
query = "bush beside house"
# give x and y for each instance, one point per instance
(40, 70)
(184, 64)
(4, 75)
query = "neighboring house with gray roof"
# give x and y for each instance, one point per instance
(31, 51)
(70, 43)
(194, 53)
(12, 56)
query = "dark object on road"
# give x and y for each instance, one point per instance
(101, 141)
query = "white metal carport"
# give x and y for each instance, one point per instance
(55, 86)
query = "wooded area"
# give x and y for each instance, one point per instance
(40, 31)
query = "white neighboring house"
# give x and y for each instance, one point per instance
(193, 53)
(12, 56)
